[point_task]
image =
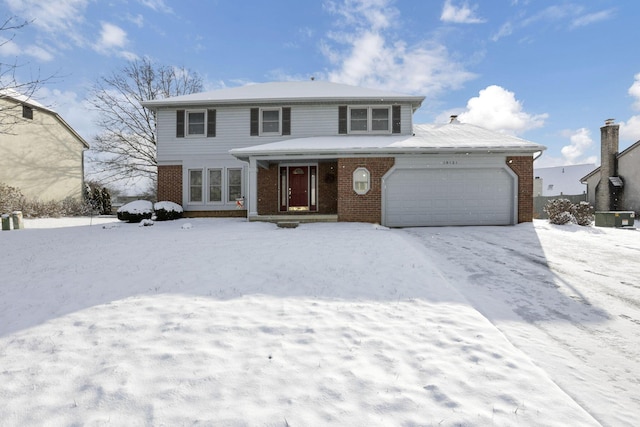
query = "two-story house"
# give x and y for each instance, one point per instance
(323, 150)
(40, 154)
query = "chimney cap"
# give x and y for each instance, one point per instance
(453, 118)
(609, 122)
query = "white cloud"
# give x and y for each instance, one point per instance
(157, 5)
(496, 108)
(11, 48)
(366, 55)
(590, 18)
(463, 14)
(112, 40)
(112, 36)
(73, 110)
(580, 143)
(630, 130)
(504, 31)
(634, 91)
(53, 16)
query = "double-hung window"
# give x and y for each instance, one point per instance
(215, 185)
(381, 119)
(195, 123)
(369, 119)
(234, 184)
(270, 121)
(195, 186)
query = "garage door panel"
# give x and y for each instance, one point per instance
(474, 196)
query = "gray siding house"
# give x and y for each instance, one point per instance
(318, 150)
(615, 185)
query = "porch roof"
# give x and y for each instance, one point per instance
(427, 139)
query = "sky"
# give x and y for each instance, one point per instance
(547, 71)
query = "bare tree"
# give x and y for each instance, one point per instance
(125, 150)
(10, 84)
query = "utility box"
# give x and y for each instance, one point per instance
(6, 222)
(615, 219)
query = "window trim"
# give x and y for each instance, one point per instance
(190, 187)
(370, 109)
(216, 202)
(261, 132)
(205, 186)
(187, 120)
(356, 172)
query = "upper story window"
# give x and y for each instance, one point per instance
(195, 123)
(271, 121)
(27, 112)
(369, 119)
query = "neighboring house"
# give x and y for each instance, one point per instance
(327, 150)
(561, 180)
(615, 185)
(40, 154)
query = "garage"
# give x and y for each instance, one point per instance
(440, 196)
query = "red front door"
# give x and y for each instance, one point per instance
(299, 188)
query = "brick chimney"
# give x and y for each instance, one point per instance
(608, 164)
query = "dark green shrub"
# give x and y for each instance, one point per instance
(135, 211)
(167, 211)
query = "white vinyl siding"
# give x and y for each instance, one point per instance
(232, 131)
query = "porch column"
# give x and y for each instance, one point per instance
(252, 209)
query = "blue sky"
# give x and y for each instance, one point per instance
(547, 71)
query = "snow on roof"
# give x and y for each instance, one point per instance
(24, 99)
(285, 92)
(427, 138)
(563, 180)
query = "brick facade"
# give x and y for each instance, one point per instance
(523, 167)
(170, 183)
(269, 204)
(361, 208)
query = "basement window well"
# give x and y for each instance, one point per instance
(361, 181)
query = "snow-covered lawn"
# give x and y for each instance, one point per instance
(226, 323)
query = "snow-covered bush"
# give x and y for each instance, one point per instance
(135, 211)
(11, 199)
(166, 211)
(562, 211)
(583, 213)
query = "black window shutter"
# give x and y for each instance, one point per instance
(180, 124)
(395, 119)
(286, 120)
(211, 123)
(342, 119)
(255, 122)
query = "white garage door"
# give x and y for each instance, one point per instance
(464, 196)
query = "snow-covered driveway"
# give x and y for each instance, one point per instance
(568, 296)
